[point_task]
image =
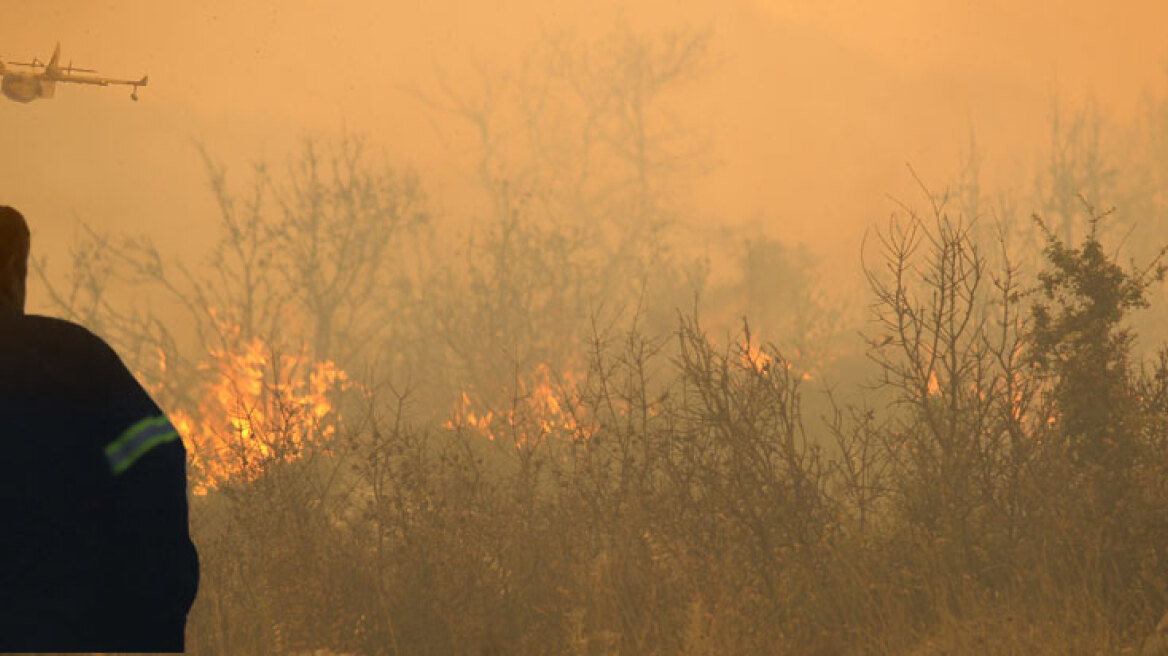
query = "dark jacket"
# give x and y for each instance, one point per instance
(95, 551)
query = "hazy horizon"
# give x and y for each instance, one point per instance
(811, 115)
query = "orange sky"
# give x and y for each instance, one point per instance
(813, 108)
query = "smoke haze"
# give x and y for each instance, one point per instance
(810, 114)
(467, 371)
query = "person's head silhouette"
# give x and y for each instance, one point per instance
(14, 247)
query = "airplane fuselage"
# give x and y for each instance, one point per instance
(26, 88)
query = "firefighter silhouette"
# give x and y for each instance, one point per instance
(95, 551)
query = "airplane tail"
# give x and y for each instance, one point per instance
(52, 69)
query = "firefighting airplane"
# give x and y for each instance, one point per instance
(39, 80)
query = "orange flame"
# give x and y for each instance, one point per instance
(754, 356)
(260, 407)
(541, 408)
(934, 385)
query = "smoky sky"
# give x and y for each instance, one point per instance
(810, 111)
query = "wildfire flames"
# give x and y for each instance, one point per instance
(541, 407)
(260, 406)
(753, 355)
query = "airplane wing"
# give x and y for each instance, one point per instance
(98, 81)
(54, 71)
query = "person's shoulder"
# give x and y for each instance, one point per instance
(46, 361)
(42, 322)
(65, 335)
(53, 326)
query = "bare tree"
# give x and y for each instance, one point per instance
(949, 338)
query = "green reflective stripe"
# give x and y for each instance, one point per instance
(137, 441)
